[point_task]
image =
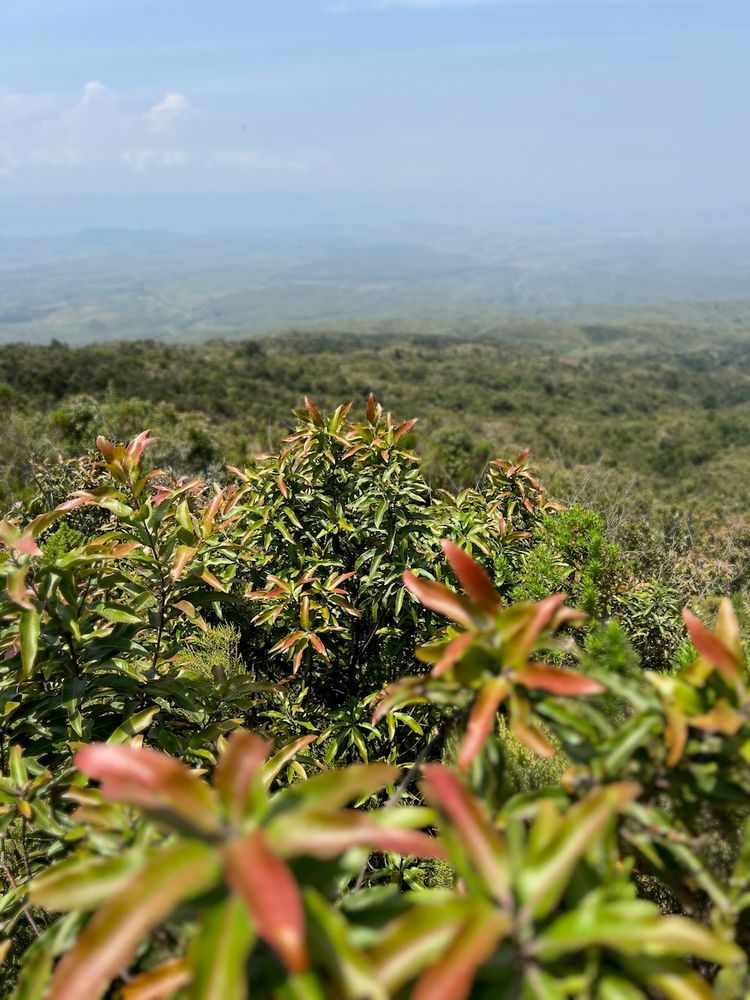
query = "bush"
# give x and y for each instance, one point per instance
(285, 805)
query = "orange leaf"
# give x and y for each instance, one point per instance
(158, 984)
(182, 556)
(317, 644)
(474, 579)
(482, 719)
(272, 897)
(675, 736)
(404, 428)
(713, 649)
(440, 598)
(722, 718)
(555, 680)
(150, 780)
(483, 845)
(239, 768)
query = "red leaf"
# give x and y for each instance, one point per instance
(545, 677)
(150, 780)
(404, 428)
(439, 598)
(372, 409)
(712, 649)
(138, 445)
(323, 835)
(481, 841)
(474, 579)
(313, 411)
(482, 719)
(272, 897)
(26, 546)
(544, 612)
(239, 768)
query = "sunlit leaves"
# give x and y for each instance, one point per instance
(492, 660)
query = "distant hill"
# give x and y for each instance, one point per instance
(114, 284)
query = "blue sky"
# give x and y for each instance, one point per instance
(549, 101)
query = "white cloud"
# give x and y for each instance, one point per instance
(172, 108)
(100, 132)
(143, 160)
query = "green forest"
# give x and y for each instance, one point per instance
(377, 664)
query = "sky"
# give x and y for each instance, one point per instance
(559, 102)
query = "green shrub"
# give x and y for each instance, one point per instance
(523, 815)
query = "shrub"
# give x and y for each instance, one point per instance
(523, 815)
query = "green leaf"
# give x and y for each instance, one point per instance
(414, 941)
(333, 946)
(336, 788)
(118, 614)
(18, 771)
(547, 870)
(83, 883)
(617, 988)
(280, 759)
(135, 724)
(219, 951)
(112, 935)
(633, 927)
(29, 631)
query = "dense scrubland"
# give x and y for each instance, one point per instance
(322, 723)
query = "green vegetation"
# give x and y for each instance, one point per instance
(308, 785)
(631, 434)
(288, 803)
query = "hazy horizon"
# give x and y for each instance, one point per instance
(566, 107)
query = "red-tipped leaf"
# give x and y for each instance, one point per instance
(272, 897)
(482, 844)
(555, 680)
(438, 597)
(711, 648)
(150, 780)
(472, 576)
(482, 719)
